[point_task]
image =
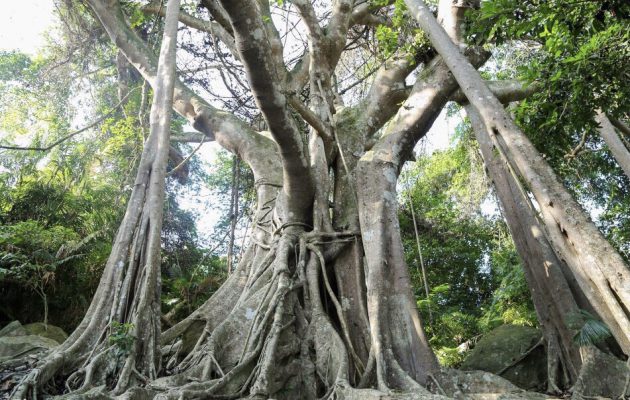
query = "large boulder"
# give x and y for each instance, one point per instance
(602, 376)
(514, 352)
(17, 340)
(46, 330)
(480, 385)
(13, 329)
(18, 346)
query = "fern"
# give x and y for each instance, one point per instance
(589, 330)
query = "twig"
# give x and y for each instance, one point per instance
(577, 149)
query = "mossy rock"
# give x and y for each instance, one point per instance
(500, 350)
(17, 346)
(46, 330)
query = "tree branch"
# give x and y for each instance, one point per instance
(623, 128)
(362, 15)
(386, 93)
(309, 116)
(233, 134)
(307, 13)
(506, 91)
(212, 27)
(614, 143)
(429, 95)
(266, 78)
(218, 13)
(190, 137)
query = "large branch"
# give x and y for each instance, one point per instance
(386, 94)
(555, 292)
(615, 145)
(363, 14)
(569, 227)
(623, 128)
(265, 74)
(229, 131)
(388, 89)
(218, 13)
(337, 28)
(506, 91)
(428, 96)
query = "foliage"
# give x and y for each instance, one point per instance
(30, 256)
(219, 180)
(577, 53)
(121, 337)
(401, 36)
(589, 329)
(183, 293)
(475, 278)
(76, 192)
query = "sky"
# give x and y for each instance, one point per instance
(23, 23)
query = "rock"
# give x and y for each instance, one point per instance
(481, 385)
(502, 351)
(46, 330)
(13, 329)
(601, 376)
(17, 346)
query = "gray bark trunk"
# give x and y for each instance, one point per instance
(614, 143)
(129, 290)
(551, 294)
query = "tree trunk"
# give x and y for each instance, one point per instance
(117, 343)
(551, 294)
(599, 269)
(320, 305)
(234, 197)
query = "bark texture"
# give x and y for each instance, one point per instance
(553, 298)
(614, 143)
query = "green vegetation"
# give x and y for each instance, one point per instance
(474, 275)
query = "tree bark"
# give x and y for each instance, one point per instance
(320, 303)
(234, 197)
(614, 143)
(551, 294)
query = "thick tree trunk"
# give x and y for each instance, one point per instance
(320, 303)
(127, 302)
(551, 294)
(599, 269)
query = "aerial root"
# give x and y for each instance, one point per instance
(278, 324)
(261, 348)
